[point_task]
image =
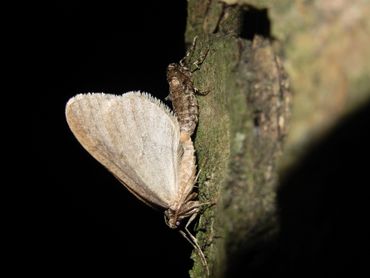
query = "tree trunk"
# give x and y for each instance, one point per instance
(252, 129)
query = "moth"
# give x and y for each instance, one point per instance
(137, 138)
(182, 92)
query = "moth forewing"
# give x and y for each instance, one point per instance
(134, 136)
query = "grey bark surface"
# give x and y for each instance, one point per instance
(252, 128)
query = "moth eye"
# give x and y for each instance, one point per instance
(177, 223)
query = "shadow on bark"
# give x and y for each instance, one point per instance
(323, 208)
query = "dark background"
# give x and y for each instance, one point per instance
(87, 223)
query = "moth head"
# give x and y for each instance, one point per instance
(171, 218)
(177, 74)
(173, 67)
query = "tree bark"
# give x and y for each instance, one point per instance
(252, 129)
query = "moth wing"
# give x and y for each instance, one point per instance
(135, 136)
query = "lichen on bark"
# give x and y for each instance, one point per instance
(239, 134)
(248, 134)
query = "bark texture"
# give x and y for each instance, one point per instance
(279, 75)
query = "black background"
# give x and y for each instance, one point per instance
(87, 223)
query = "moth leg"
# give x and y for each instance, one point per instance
(201, 93)
(168, 98)
(197, 176)
(197, 63)
(191, 219)
(190, 51)
(196, 180)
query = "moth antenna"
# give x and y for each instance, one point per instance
(193, 241)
